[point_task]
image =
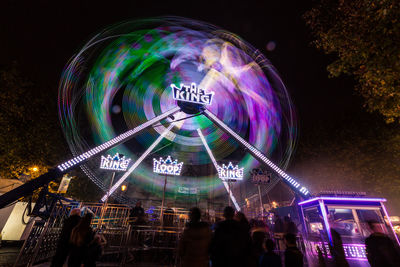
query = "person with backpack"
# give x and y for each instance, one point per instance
(82, 236)
(63, 246)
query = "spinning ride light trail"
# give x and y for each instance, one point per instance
(130, 72)
(228, 189)
(258, 154)
(142, 157)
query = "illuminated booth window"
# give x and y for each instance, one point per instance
(325, 217)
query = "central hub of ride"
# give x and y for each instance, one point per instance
(191, 98)
(190, 108)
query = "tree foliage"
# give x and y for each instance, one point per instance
(31, 136)
(365, 37)
(29, 131)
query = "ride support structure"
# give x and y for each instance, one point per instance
(77, 161)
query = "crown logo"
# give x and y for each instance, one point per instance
(192, 93)
(230, 172)
(167, 166)
(116, 163)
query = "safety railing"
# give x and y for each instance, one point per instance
(42, 240)
(151, 245)
(110, 215)
(127, 241)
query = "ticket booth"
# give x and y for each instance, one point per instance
(325, 217)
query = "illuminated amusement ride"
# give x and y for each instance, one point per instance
(180, 88)
(170, 92)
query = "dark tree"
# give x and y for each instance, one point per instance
(29, 134)
(364, 36)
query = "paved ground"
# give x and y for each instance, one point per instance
(8, 255)
(100, 264)
(46, 264)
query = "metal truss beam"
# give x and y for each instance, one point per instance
(301, 190)
(140, 159)
(53, 174)
(228, 189)
(78, 160)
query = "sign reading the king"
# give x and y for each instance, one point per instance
(192, 94)
(230, 172)
(167, 166)
(116, 163)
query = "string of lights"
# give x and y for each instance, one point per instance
(114, 141)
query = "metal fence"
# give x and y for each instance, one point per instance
(111, 215)
(41, 243)
(152, 246)
(128, 243)
(124, 241)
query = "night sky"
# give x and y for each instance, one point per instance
(43, 35)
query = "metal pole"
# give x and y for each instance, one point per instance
(140, 159)
(261, 204)
(225, 183)
(230, 192)
(162, 203)
(104, 210)
(269, 200)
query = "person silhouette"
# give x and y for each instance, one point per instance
(270, 258)
(63, 246)
(194, 244)
(230, 243)
(381, 251)
(293, 256)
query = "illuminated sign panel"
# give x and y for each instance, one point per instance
(116, 163)
(351, 251)
(188, 191)
(192, 94)
(62, 189)
(256, 153)
(230, 172)
(260, 176)
(167, 166)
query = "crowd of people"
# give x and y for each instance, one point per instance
(233, 241)
(78, 243)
